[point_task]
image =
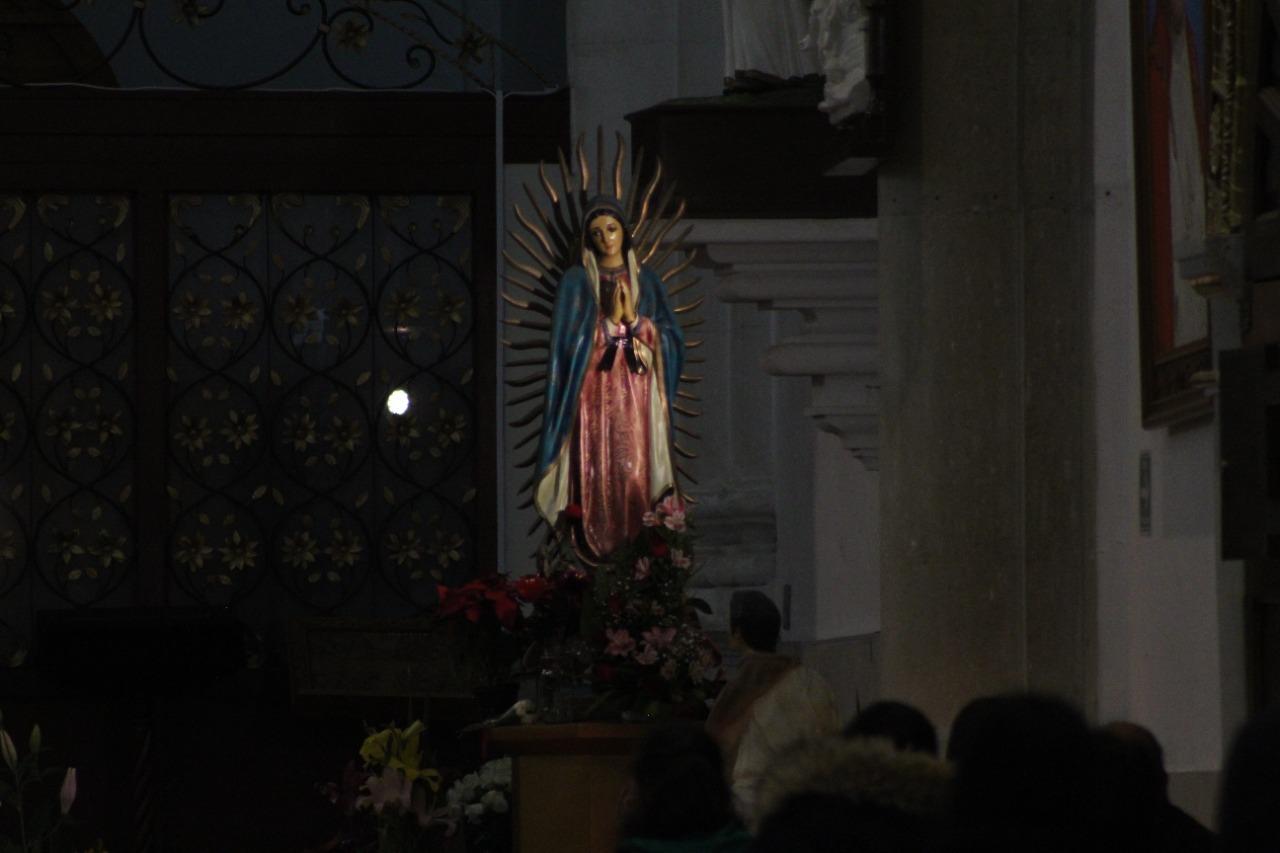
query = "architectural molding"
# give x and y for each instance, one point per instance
(825, 270)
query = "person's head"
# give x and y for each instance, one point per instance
(1023, 765)
(1130, 782)
(679, 788)
(604, 231)
(830, 823)
(1249, 809)
(905, 725)
(837, 794)
(754, 620)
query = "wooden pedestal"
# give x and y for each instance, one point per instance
(567, 783)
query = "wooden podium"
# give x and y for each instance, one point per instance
(567, 782)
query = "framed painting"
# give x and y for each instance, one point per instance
(1171, 67)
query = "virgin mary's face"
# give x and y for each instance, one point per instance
(606, 236)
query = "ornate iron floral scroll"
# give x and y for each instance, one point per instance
(292, 319)
(67, 413)
(349, 44)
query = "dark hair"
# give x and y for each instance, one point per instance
(680, 785)
(1249, 817)
(604, 205)
(756, 616)
(905, 725)
(830, 823)
(1023, 765)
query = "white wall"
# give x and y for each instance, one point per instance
(1169, 612)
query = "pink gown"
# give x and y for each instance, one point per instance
(610, 452)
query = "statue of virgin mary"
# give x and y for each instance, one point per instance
(616, 352)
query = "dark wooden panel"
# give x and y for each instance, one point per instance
(778, 175)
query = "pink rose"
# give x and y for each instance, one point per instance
(675, 521)
(642, 568)
(671, 505)
(646, 657)
(680, 559)
(659, 638)
(620, 642)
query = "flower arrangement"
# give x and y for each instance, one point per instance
(39, 817)
(654, 654)
(481, 801)
(393, 786)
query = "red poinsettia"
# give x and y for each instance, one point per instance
(531, 588)
(474, 598)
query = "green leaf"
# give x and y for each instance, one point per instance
(48, 251)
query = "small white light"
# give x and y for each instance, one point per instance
(398, 402)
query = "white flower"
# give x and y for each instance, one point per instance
(495, 802)
(474, 812)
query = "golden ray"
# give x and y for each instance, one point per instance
(536, 362)
(532, 272)
(545, 297)
(546, 184)
(599, 159)
(682, 287)
(570, 206)
(684, 377)
(536, 325)
(528, 438)
(527, 418)
(688, 345)
(684, 429)
(662, 232)
(584, 171)
(654, 221)
(685, 473)
(633, 184)
(526, 380)
(687, 454)
(648, 196)
(683, 395)
(533, 343)
(694, 323)
(671, 246)
(546, 263)
(533, 229)
(692, 306)
(527, 462)
(688, 413)
(525, 304)
(527, 397)
(562, 247)
(683, 265)
(617, 168)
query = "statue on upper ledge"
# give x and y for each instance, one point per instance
(763, 45)
(609, 336)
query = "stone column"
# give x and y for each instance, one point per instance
(986, 484)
